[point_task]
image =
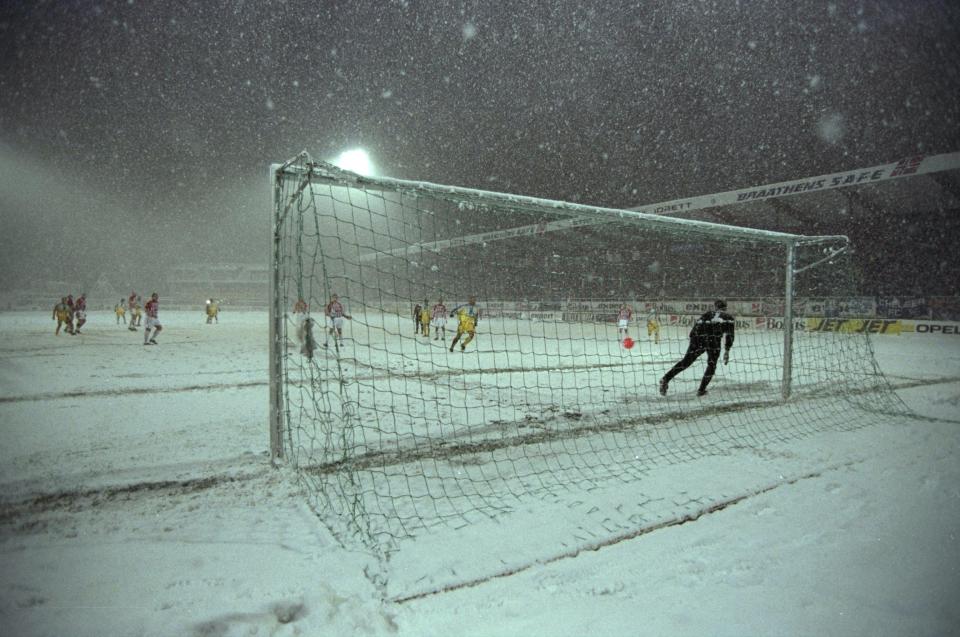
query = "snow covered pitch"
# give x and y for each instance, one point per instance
(138, 499)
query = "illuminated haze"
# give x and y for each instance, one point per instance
(136, 135)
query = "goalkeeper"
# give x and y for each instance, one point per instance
(468, 315)
(707, 333)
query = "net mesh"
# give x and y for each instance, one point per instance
(394, 428)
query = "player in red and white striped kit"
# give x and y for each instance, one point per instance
(151, 308)
(80, 312)
(623, 321)
(439, 320)
(335, 315)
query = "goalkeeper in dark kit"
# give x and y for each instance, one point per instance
(708, 332)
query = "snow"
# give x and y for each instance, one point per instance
(138, 499)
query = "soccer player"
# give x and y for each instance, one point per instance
(121, 313)
(131, 305)
(424, 319)
(153, 322)
(653, 325)
(301, 317)
(623, 321)
(416, 318)
(80, 312)
(137, 312)
(468, 315)
(705, 336)
(61, 314)
(213, 311)
(70, 304)
(335, 316)
(439, 321)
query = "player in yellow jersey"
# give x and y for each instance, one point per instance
(425, 319)
(213, 311)
(121, 312)
(468, 315)
(134, 316)
(653, 325)
(63, 317)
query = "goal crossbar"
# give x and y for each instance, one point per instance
(579, 215)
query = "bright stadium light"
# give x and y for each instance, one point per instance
(356, 160)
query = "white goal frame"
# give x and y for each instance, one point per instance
(304, 171)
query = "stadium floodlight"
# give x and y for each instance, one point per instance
(356, 161)
(393, 430)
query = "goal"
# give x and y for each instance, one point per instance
(394, 429)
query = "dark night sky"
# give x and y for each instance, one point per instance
(134, 134)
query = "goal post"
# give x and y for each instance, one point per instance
(439, 352)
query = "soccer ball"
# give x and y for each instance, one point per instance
(628, 342)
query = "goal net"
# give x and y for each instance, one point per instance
(398, 421)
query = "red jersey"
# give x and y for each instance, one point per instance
(624, 314)
(439, 310)
(334, 309)
(80, 304)
(300, 307)
(151, 308)
(132, 301)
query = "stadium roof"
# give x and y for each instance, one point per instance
(834, 209)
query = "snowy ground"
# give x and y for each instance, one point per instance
(137, 499)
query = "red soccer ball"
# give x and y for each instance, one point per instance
(628, 342)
